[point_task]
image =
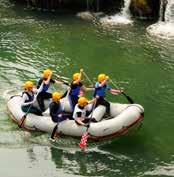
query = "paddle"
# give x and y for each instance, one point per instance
(84, 138)
(64, 80)
(87, 78)
(63, 77)
(123, 93)
(25, 115)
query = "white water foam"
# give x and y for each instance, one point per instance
(122, 18)
(161, 170)
(169, 14)
(164, 29)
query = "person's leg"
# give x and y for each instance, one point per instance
(106, 104)
(31, 109)
(102, 101)
(47, 95)
(64, 95)
(68, 115)
(40, 99)
(74, 100)
(54, 119)
(62, 118)
(86, 120)
(25, 108)
(36, 111)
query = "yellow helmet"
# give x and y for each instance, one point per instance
(28, 85)
(76, 76)
(56, 96)
(46, 73)
(82, 101)
(101, 77)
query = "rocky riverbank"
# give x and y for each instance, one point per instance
(143, 9)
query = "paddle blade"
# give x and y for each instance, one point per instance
(128, 98)
(83, 141)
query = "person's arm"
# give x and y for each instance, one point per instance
(93, 101)
(35, 90)
(115, 91)
(58, 82)
(80, 77)
(83, 89)
(48, 79)
(87, 88)
(104, 82)
(39, 83)
(79, 118)
(61, 82)
(97, 86)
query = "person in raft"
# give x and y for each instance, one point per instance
(77, 89)
(80, 111)
(56, 109)
(100, 90)
(28, 99)
(46, 79)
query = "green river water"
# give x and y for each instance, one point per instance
(143, 65)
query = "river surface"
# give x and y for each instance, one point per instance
(142, 65)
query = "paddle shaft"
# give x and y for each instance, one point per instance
(63, 78)
(84, 138)
(87, 78)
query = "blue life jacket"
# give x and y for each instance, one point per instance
(58, 108)
(45, 87)
(100, 90)
(75, 89)
(55, 111)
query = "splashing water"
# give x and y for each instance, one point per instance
(121, 18)
(169, 15)
(164, 29)
(166, 170)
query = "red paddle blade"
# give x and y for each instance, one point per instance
(83, 140)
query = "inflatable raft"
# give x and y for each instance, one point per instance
(122, 118)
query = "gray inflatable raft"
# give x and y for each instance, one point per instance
(123, 117)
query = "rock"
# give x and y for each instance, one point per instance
(86, 15)
(147, 9)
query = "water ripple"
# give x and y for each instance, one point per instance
(161, 170)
